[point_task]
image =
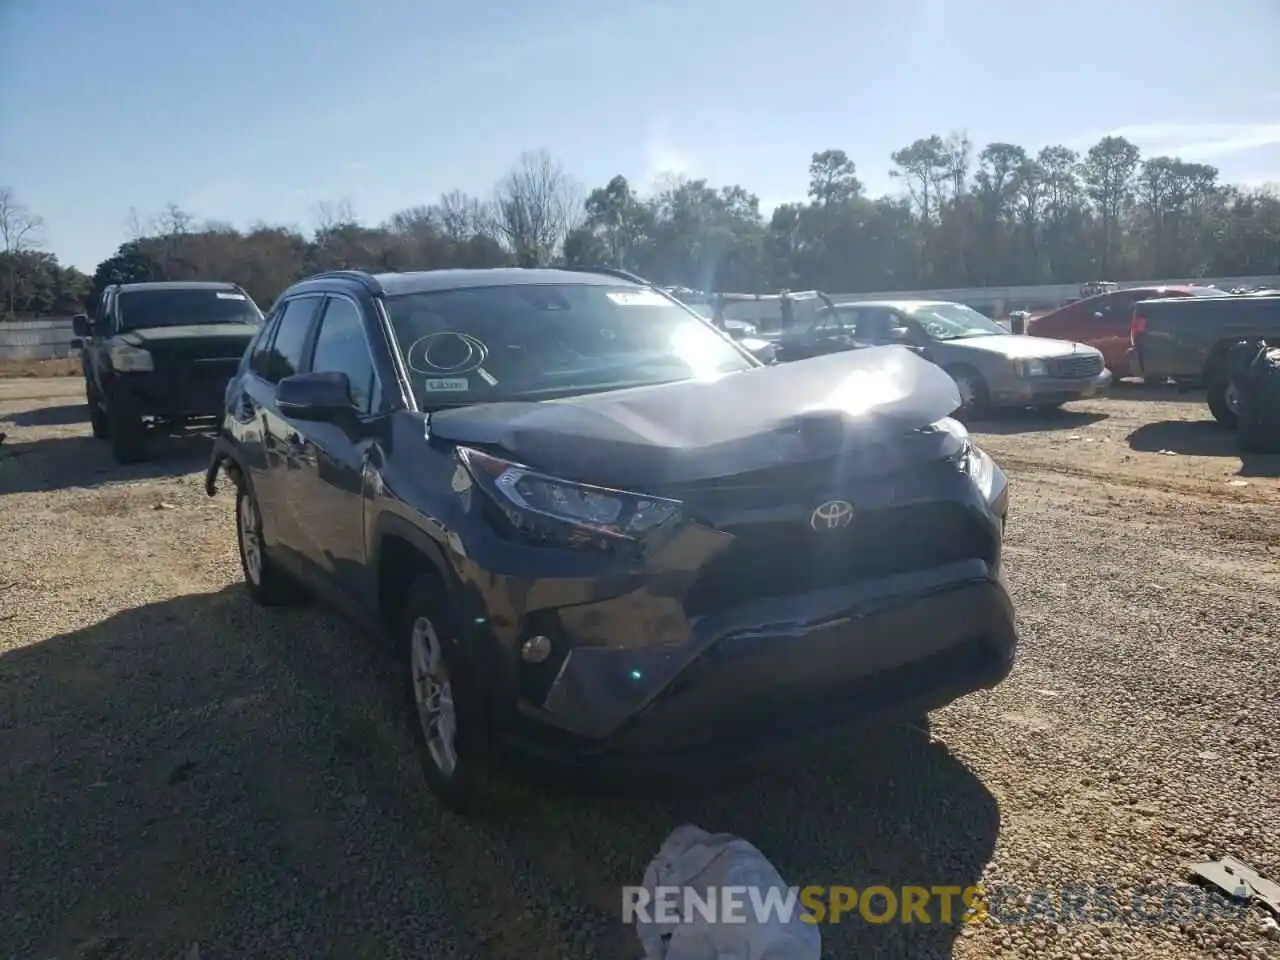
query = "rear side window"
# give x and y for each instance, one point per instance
(284, 358)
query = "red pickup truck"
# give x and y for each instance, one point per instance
(1103, 321)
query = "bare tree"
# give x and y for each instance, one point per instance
(461, 216)
(133, 225)
(534, 208)
(173, 221)
(20, 232)
(332, 215)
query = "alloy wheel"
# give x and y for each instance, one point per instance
(433, 695)
(250, 539)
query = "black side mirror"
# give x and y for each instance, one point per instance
(315, 396)
(80, 325)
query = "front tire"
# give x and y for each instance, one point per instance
(453, 731)
(97, 419)
(974, 399)
(127, 435)
(268, 585)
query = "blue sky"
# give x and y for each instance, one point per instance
(244, 111)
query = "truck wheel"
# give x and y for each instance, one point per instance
(97, 419)
(1222, 395)
(452, 728)
(127, 434)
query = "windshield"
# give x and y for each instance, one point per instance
(171, 308)
(954, 321)
(535, 341)
(1208, 292)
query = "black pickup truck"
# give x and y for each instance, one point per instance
(160, 355)
(1188, 340)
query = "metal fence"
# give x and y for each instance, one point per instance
(48, 338)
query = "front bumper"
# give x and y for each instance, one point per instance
(1033, 391)
(774, 671)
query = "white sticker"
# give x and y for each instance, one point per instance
(222, 295)
(447, 384)
(638, 298)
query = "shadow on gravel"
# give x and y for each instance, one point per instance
(57, 463)
(60, 416)
(203, 771)
(1034, 421)
(1202, 438)
(1154, 392)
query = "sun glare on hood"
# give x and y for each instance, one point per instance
(864, 390)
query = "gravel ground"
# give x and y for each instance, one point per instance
(189, 776)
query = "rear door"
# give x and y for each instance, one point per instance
(282, 356)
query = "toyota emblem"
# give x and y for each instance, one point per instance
(832, 515)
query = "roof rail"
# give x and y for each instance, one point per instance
(613, 272)
(369, 281)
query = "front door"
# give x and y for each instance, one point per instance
(340, 459)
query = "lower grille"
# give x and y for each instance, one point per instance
(781, 559)
(1077, 365)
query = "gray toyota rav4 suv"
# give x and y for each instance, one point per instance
(599, 531)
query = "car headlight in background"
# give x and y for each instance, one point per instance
(1030, 367)
(558, 512)
(131, 359)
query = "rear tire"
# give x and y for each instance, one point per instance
(453, 727)
(268, 585)
(1221, 398)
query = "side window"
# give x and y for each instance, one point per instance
(292, 329)
(341, 347)
(874, 325)
(260, 348)
(102, 317)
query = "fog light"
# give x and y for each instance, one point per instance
(536, 649)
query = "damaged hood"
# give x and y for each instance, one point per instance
(698, 430)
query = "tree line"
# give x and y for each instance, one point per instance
(1001, 215)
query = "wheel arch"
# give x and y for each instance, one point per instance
(402, 554)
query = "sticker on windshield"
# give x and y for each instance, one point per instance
(447, 384)
(223, 295)
(446, 352)
(637, 298)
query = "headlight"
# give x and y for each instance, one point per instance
(971, 459)
(981, 469)
(562, 513)
(131, 359)
(1030, 367)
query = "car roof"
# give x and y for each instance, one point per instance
(427, 281)
(907, 305)
(179, 285)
